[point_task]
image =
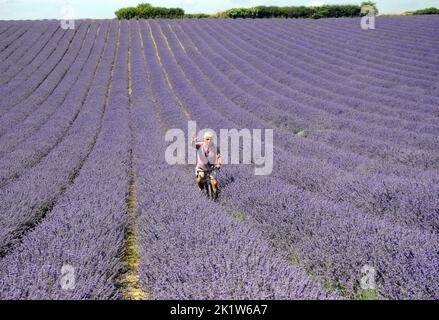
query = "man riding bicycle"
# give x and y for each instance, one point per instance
(208, 159)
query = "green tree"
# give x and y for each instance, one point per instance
(371, 4)
(126, 13)
(431, 10)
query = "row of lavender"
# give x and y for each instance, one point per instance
(68, 233)
(363, 185)
(44, 283)
(295, 222)
(190, 248)
(89, 179)
(397, 188)
(325, 101)
(43, 166)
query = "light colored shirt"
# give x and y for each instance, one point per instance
(209, 159)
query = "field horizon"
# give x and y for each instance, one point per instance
(90, 209)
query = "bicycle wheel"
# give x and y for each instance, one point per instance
(209, 190)
(215, 195)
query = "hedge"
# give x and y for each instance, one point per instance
(147, 11)
(196, 15)
(431, 10)
(325, 11)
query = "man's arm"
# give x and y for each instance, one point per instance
(196, 144)
(218, 158)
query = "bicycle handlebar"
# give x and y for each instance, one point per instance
(208, 170)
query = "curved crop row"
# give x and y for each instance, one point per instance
(84, 183)
(219, 257)
(82, 231)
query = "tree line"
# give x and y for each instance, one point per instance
(147, 11)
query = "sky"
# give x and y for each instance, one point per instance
(99, 9)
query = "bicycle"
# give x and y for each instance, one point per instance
(207, 187)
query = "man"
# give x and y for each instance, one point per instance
(208, 158)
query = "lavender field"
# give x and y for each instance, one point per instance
(84, 181)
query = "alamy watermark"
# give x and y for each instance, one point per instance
(368, 20)
(67, 17)
(242, 146)
(67, 281)
(367, 282)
